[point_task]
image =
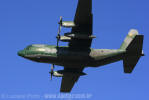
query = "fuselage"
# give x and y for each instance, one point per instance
(63, 56)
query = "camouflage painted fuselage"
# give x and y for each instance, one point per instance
(63, 56)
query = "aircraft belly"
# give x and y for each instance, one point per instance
(105, 56)
(67, 59)
(73, 60)
(42, 58)
(105, 61)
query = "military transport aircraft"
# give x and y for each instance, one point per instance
(79, 54)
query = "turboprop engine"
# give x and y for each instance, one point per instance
(61, 73)
(68, 24)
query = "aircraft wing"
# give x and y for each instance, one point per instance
(68, 80)
(83, 24)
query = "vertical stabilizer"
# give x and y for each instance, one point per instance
(133, 45)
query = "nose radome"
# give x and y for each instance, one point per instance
(21, 53)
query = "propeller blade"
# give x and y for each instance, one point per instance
(57, 42)
(59, 30)
(52, 67)
(52, 70)
(60, 24)
(51, 76)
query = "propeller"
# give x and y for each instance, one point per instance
(59, 30)
(52, 70)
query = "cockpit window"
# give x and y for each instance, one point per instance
(28, 47)
(34, 46)
(38, 45)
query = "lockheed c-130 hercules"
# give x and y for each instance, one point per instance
(79, 54)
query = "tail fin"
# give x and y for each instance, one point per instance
(133, 45)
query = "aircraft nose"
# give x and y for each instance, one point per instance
(21, 53)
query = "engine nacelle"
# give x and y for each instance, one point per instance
(57, 74)
(61, 73)
(79, 36)
(68, 24)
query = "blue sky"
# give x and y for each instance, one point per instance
(24, 22)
